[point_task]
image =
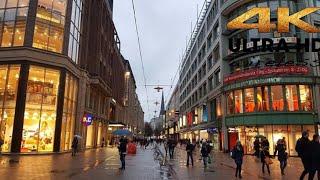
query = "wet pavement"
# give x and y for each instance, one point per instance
(104, 164)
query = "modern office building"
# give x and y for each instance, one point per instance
(225, 96)
(56, 80)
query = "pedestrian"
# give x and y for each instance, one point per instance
(315, 157)
(204, 153)
(122, 152)
(256, 146)
(74, 146)
(303, 150)
(282, 154)
(237, 155)
(209, 147)
(189, 149)
(165, 144)
(171, 148)
(265, 143)
(265, 159)
(102, 142)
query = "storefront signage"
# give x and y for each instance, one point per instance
(204, 114)
(254, 73)
(212, 130)
(87, 119)
(189, 118)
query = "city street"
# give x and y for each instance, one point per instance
(104, 164)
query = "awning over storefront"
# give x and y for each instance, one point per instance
(204, 126)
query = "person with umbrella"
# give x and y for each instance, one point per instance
(122, 152)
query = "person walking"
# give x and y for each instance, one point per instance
(265, 143)
(256, 146)
(171, 148)
(237, 155)
(122, 152)
(166, 147)
(102, 142)
(315, 157)
(282, 154)
(303, 150)
(74, 146)
(265, 159)
(209, 147)
(204, 153)
(189, 149)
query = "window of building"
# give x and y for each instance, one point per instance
(305, 97)
(13, 16)
(217, 77)
(218, 107)
(292, 97)
(75, 25)
(9, 76)
(230, 103)
(40, 112)
(262, 99)
(249, 100)
(49, 27)
(69, 112)
(238, 101)
(277, 98)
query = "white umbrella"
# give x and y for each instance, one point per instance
(78, 136)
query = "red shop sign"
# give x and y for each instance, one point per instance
(266, 71)
(189, 118)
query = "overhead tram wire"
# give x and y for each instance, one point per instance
(140, 53)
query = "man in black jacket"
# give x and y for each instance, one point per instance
(315, 154)
(189, 149)
(303, 150)
(122, 152)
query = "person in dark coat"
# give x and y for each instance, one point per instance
(265, 154)
(122, 152)
(256, 146)
(303, 150)
(315, 155)
(204, 154)
(74, 146)
(265, 143)
(237, 155)
(189, 149)
(282, 154)
(171, 147)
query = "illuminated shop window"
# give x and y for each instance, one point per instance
(305, 97)
(262, 99)
(249, 100)
(9, 77)
(292, 98)
(75, 25)
(69, 112)
(13, 16)
(277, 98)
(49, 27)
(230, 103)
(218, 107)
(40, 112)
(238, 101)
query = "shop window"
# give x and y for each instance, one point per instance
(305, 97)
(249, 100)
(218, 107)
(230, 103)
(69, 112)
(40, 112)
(238, 101)
(9, 77)
(292, 97)
(277, 98)
(263, 99)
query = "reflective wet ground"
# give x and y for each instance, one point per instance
(104, 164)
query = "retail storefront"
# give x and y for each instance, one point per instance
(41, 127)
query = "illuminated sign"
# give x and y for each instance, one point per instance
(264, 22)
(254, 73)
(87, 119)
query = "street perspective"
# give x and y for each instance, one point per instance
(159, 90)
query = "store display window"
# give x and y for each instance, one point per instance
(292, 97)
(305, 97)
(277, 98)
(40, 112)
(238, 101)
(9, 79)
(263, 99)
(230, 103)
(249, 100)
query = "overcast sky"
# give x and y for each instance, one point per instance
(163, 27)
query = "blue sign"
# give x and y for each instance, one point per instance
(87, 119)
(212, 130)
(204, 113)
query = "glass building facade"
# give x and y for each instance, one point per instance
(44, 118)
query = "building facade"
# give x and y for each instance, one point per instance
(56, 80)
(226, 96)
(172, 114)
